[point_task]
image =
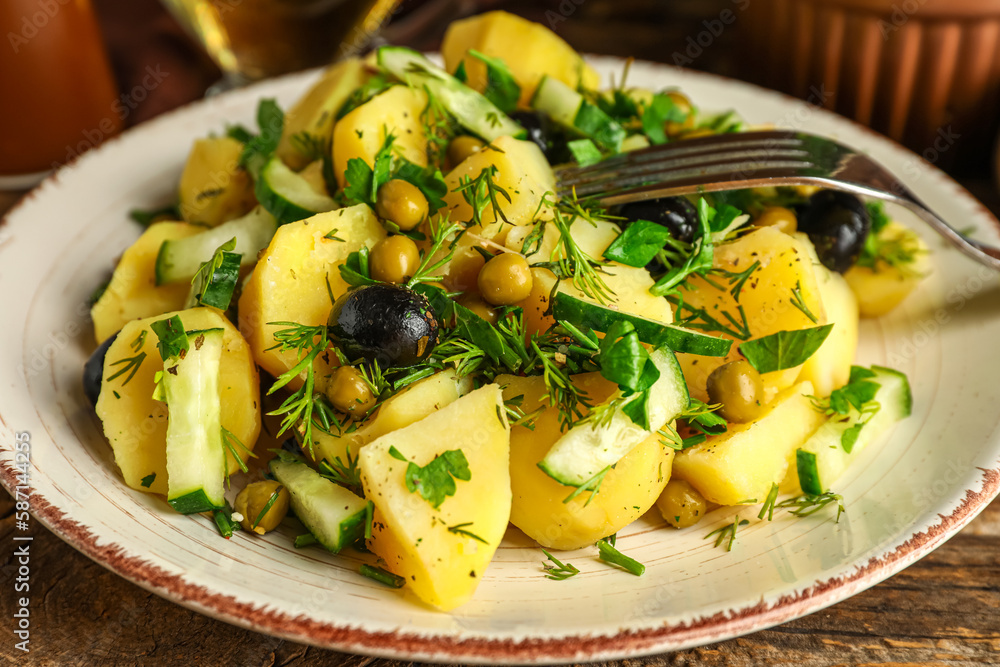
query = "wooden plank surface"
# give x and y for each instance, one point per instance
(945, 609)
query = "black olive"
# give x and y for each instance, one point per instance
(389, 324)
(677, 214)
(93, 371)
(543, 132)
(838, 224)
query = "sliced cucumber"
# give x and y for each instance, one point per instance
(568, 108)
(334, 515)
(475, 113)
(196, 459)
(288, 196)
(582, 312)
(584, 451)
(895, 403)
(180, 259)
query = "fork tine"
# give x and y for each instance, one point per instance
(751, 159)
(769, 140)
(696, 184)
(723, 169)
(665, 166)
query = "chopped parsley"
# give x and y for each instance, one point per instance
(436, 480)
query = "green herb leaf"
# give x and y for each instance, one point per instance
(702, 417)
(382, 576)
(363, 180)
(148, 480)
(460, 72)
(173, 339)
(267, 506)
(305, 540)
(784, 349)
(148, 217)
(436, 480)
(239, 132)
(258, 149)
(460, 529)
(805, 463)
(308, 342)
(727, 533)
(808, 504)
(858, 391)
(483, 191)
(624, 360)
(215, 281)
(609, 554)
(501, 87)
(224, 521)
(879, 219)
(800, 303)
(768, 508)
(850, 436)
(558, 570)
(375, 84)
(593, 485)
(347, 474)
(428, 180)
(698, 261)
(638, 244)
(355, 271)
(661, 111)
(585, 152)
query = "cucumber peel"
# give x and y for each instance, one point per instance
(179, 260)
(587, 449)
(827, 444)
(287, 196)
(335, 516)
(568, 108)
(472, 110)
(196, 457)
(586, 313)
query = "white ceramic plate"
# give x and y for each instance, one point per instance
(934, 473)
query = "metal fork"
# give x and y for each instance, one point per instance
(748, 160)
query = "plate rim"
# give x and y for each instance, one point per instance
(429, 646)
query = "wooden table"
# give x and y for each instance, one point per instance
(945, 609)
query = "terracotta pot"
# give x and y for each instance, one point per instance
(924, 72)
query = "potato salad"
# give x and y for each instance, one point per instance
(375, 321)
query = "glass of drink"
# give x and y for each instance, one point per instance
(254, 39)
(59, 98)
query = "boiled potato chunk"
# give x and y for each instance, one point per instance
(410, 405)
(443, 568)
(361, 133)
(521, 170)
(315, 112)
(829, 367)
(289, 283)
(785, 265)
(214, 188)
(136, 424)
(629, 285)
(742, 464)
(132, 292)
(627, 492)
(529, 49)
(881, 289)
